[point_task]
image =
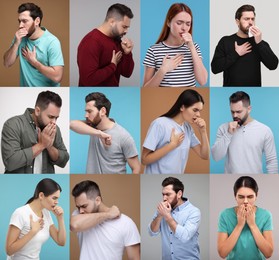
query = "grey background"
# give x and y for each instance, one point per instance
(221, 197)
(222, 22)
(85, 15)
(196, 189)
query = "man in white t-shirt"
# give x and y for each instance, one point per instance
(103, 232)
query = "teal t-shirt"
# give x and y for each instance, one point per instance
(245, 248)
(48, 52)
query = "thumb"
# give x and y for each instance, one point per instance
(113, 52)
(34, 49)
(31, 218)
(235, 44)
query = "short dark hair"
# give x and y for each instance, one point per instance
(47, 97)
(240, 96)
(35, 11)
(90, 188)
(118, 11)
(247, 182)
(244, 8)
(100, 101)
(176, 184)
(46, 186)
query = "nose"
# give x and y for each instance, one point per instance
(245, 201)
(53, 120)
(21, 24)
(165, 198)
(198, 114)
(56, 202)
(81, 211)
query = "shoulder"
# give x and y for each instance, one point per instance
(227, 212)
(156, 46)
(262, 127)
(193, 209)
(21, 211)
(127, 220)
(228, 38)
(263, 213)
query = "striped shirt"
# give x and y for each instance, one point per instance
(183, 75)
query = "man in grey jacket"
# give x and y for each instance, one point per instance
(32, 142)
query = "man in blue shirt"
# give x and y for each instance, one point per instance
(178, 222)
(39, 51)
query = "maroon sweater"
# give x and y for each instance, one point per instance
(94, 61)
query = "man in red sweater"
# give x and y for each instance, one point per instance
(103, 54)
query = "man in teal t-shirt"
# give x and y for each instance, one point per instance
(39, 51)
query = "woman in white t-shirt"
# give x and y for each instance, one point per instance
(170, 137)
(175, 60)
(31, 225)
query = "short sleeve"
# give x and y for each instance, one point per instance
(131, 233)
(48, 217)
(149, 59)
(194, 140)
(17, 219)
(198, 50)
(222, 226)
(268, 223)
(153, 136)
(55, 53)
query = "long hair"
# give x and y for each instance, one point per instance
(172, 12)
(46, 186)
(247, 182)
(187, 99)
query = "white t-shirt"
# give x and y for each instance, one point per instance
(108, 240)
(21, 219)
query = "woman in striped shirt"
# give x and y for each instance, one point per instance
(175, 60)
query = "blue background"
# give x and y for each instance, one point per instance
(154, 13)
(265, 107)
(125, 110)
(15, 192)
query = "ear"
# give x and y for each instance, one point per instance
(249, 109)
(182, 108)
(41, 195)
(103, 111)
(237, 22)
(37, 21)
(98, 200)
(37, 111)
(179, 194)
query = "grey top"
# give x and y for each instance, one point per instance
(18, 136)
(113, 158)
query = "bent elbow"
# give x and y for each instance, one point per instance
(222, 254)
(74, 226)
(57, 78)
(269, 253)
(61, 243)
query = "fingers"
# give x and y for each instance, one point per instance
(57, 210)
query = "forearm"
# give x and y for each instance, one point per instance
(82, 128)
(225, 247)
(155, 224)
(205, 149)
(156, 79)
(268, 57)
(220, 147)
(262, 243)
(53, 153)
(82, 222)
(11, 55)
(171, 222)
(61, 233)
(53, 73)
(37, 149)
(199, 69)
(127, 65)
(19, 243)
(153, 156)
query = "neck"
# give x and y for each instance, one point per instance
(180, 202)
(179, 119)
(105, 124)
(103, 208)
(34, 119)
(37, 208)
(249, 119)
(105, 29)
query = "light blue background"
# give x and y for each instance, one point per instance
(153, 14)
(265, 107)
(125, 110)
(16, 190)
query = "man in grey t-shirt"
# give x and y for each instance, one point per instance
(111, 146)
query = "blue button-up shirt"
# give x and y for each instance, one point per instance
(183, 243)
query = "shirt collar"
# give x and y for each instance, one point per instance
(28, 112)
(183, 205)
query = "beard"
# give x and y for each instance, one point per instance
(116, 35)
(41, 123)
(174, 202)
(31, 30)
(245, 30)
(96, 121)
(241, 121)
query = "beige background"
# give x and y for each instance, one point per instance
(157, 101)
(55, 19)
(120, 190)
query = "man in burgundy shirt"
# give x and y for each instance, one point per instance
(103, 55)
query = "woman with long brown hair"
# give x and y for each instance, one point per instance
(175, 60)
